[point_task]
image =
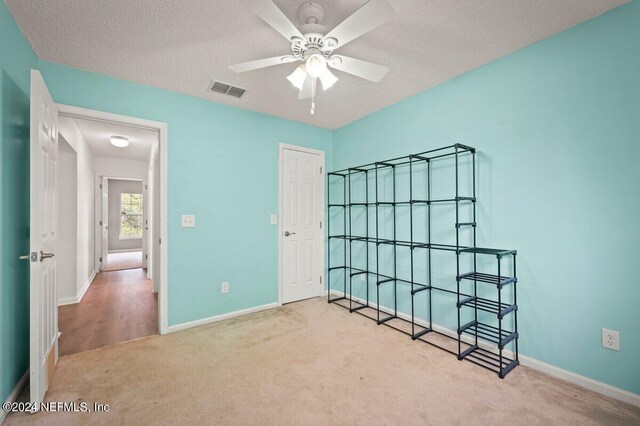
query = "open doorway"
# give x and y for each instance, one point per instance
(124, 220)
(113, 206)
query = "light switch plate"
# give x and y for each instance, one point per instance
(274, 219)
(188, 221)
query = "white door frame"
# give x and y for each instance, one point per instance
(281, 148)
(77, 112)
(98, 205)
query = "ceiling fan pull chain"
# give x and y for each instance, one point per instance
(313, 97)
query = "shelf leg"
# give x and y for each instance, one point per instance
(501, 375)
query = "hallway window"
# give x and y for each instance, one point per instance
(131, 216)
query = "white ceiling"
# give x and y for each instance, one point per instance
(182, 45)
(98, 135)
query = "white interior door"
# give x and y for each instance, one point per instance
(43, 224)
(104, 222)
(302, 215)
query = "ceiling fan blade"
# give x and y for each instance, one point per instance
(373, 14)
(272, 15)
(363, 69)
(308, 89)
(261, 63)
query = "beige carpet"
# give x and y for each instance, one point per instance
(124, 260)
(308, 363)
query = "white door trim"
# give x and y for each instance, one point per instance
(98, 228)
(77, 112)
(281, 148)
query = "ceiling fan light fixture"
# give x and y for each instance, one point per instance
(313, 44)
(316, 65)
(298, 76)
(119, 141)
(327, 79)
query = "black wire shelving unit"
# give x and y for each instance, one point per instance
(487, 324)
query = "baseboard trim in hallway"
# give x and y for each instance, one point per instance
(222, 317)
(78, 298)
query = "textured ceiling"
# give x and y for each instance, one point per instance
(97, 134)
(182, 45)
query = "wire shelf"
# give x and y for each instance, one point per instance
(369, 208)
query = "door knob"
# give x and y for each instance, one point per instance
(287, 233)
(44, 255)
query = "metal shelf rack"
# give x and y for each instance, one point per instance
(485, 338)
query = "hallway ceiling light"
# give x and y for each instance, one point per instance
(119, 141)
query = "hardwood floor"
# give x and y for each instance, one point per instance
(118, 306)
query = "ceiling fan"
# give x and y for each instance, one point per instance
(314, 45)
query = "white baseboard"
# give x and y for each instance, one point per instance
(583, 381)
(67, 301)
(551, 370)
(85, 287)
(80, 295)
(125, 250)
(229, 315)
(15, 393)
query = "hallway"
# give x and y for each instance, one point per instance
(119, 306)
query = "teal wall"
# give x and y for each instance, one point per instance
(223, 167)
(16, 59)
(558, 132)
(554, 124)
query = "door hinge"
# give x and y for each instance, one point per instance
(320, 224)
(146, 256)
(320, 169)
(100, 186)
(101, 260)
(100, 223)
(321, 279)
(159, 240)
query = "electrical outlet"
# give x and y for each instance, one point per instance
(363, 277)
(611, 339)
(224, 287)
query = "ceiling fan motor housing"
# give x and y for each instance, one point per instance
(313, 42)
(311, 15)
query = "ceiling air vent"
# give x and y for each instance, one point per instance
(226, 89)
(235, 91)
